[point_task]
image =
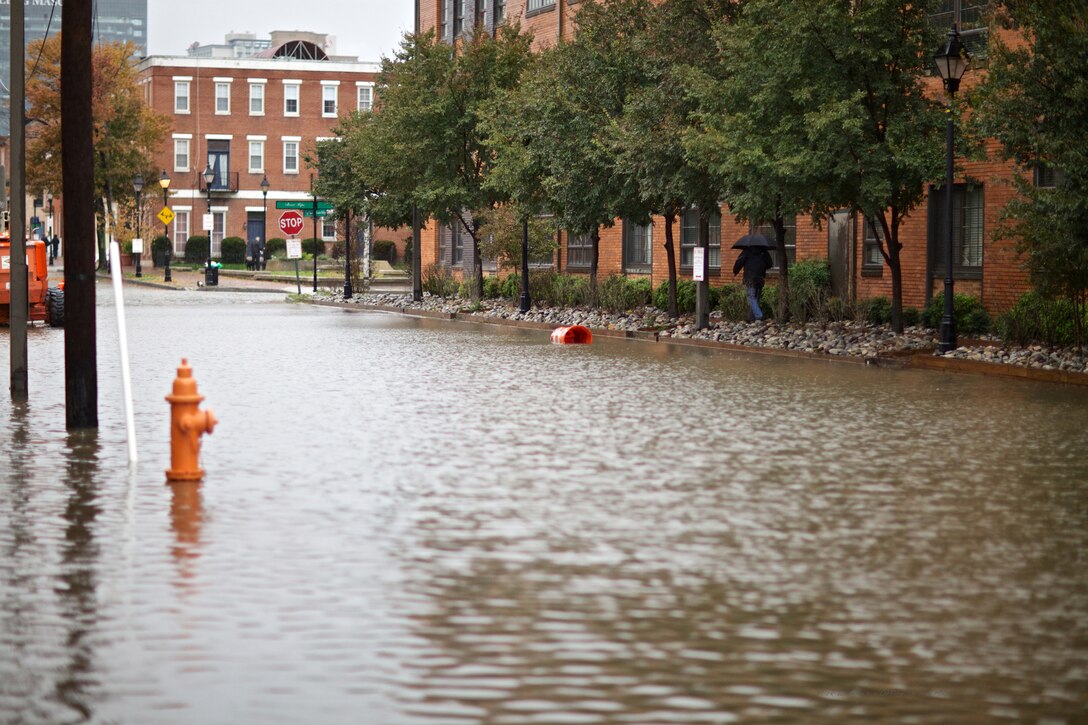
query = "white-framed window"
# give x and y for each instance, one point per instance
(689, 238)
(181, 153)
(637, 247)
(364, 93)
(256, 97)
(181, 229)
(328, 228)
(256, 155)
(290, 154)
(290, 97)
(328, 99)
(219, 227)
(539, 4)
(222, 99)
(181, 95)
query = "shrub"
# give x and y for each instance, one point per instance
(1035, 318)
(733, 302)
(385, 250)
(492, 288)
(810, 286)
(313, 246)
(768, 301)
(439, 281)
(275, 247)
(911, 316)
(408, 252)
(233, 250)
(196, 249)
(877, 310)
(968, 314)
(510, 287)
(547, 287)
(837, 309)
(339, 249)
(618, 293)
(159, 246)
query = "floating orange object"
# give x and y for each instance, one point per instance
(572, 335)
(187, 424)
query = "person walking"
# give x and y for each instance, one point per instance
(54, 248)
(755, 261)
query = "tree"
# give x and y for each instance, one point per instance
(550, 135)
(126, 130)
(649, 138)
(1034, 101)
(832, 95)
(426, 144)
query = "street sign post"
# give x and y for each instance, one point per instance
(291, 222)
(294, 251)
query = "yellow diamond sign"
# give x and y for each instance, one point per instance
(166, 216)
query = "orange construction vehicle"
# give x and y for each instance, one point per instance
(46, 303)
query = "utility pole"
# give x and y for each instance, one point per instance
(20, 295)
(77, 148)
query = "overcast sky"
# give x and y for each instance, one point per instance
(368, 29)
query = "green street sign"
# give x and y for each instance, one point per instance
(320, 212)
(303, 205)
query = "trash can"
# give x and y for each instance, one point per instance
(211, 275)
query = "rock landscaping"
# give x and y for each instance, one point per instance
(840, 339)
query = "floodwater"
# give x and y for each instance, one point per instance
(416, 521)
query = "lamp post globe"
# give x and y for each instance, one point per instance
(951, 64)
(138, 186)
(164, 183)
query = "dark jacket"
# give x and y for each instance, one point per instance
(755, 262)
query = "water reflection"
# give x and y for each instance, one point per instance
(186, 516)
(77, 579)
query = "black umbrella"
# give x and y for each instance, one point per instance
(754, 240)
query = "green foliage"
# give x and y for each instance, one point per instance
(733, 302)
(685, 296)
(275, 247)
(876, 310)
(313, 246)
(547, 287)
(385, 250)
(233, 250)
(196, 249)
(159, 247)
(968, 314)
(768, 301)
(439, 281)
(619, 294)
(1035, 318)
(510, 287)
(912, 316)
(492, 288)
(809, 290)
(1033, 101)
(339, 249)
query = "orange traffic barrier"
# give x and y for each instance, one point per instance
(572, 335)
(187, 424)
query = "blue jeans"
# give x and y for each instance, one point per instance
(753, 302)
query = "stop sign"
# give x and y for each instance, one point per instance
(291, 222)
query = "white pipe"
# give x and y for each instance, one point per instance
(122, 340)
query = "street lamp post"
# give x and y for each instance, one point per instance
(951, 63)
(209, 177)
(264, 223)
(164, 182)
(138, 185)
(348, 291)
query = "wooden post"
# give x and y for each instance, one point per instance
(77, 145)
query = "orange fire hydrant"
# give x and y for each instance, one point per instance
(187, 424)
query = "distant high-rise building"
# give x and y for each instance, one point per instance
(113, 20)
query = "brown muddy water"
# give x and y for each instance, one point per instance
(414, 521)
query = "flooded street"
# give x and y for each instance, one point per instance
(418, 521)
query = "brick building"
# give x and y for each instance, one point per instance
(248, 119)
(985, 267)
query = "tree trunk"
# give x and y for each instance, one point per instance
(670, 257)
